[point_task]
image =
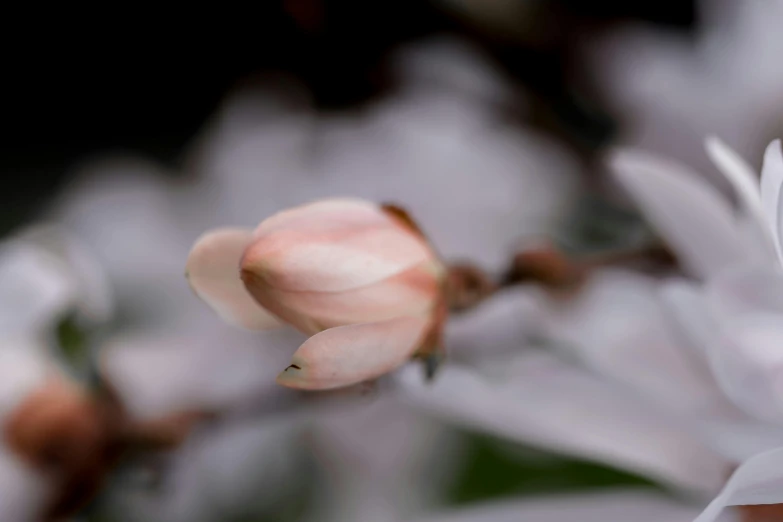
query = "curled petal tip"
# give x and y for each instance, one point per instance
(292, 377)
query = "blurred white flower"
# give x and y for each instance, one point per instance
(730, 314)
(669, 90)
(45, 275)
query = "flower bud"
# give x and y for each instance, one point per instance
(335, 263)
(332, 264)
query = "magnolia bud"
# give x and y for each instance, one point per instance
(336, 263)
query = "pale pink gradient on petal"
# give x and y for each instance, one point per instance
(324, 214)
(333, 253)
(351, 354)
(412, 293)
(213, 273)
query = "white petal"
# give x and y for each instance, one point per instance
(688, 212)
(757, 481)
(36, 289)
(617, 326)
(95, 300)
(538, 400)
(587, 507)
(730, 430)
(213, 272)
(499, 326)
(746, 290)
(24, 491)
(208, 367)
(745, 181)
(686, 305)
(23, 367)
(771, 182)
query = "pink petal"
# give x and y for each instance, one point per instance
(410, 293)
(351, 354)
(324, 214)
(333, 246)
(213, 273)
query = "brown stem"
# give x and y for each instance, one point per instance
(467, 285)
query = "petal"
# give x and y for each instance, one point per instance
(747, 361)
(25, 490)
(617, 326)
(536, 399)
(499, 326)
(746, 290)
(587, 507)
(307, 259)
(771, 182)
(95, 301)
(757, 481)
(745, 181)
(213, 273)
(410, 293)
(210, 366)
(687, 308)
(687, 211)
(729, 429)
(324, 215)
(24, 366)
(36, 289)
(351, 354)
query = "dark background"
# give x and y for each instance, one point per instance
(76, 83)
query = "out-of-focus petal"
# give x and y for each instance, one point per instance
(591, 507)
(746, 290)
(539, 400)
(24, 491)
(756, 481)
(213, 272)
(157, 373)
(686, 210)
(771, 182)
(750, 365)
(381, 460)
(728, 428)
(36, 289)
(23, 367)
(347, 355)
(95, 300)
(501, 325)
(616, 325)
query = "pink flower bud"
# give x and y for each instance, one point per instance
(333, 263)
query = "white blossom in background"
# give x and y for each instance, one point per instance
(669, 90)
(45, 275)
(729, 313)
